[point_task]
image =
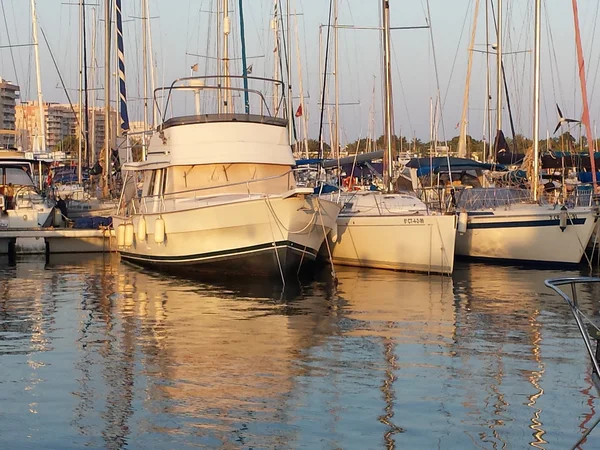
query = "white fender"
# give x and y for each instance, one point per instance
(141, 229)
(121, 235)
(129, 235)
(159, 230)
(333, 233)
(463, 219)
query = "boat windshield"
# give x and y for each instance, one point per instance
(17, 176)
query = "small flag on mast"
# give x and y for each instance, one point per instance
(194, 68)
(299, 111)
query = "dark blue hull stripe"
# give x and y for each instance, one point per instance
(238, 252)
(523, 224)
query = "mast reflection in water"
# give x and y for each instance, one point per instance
(99, 354)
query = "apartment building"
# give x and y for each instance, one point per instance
(9, 93)
(60, 122)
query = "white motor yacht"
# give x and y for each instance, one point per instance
(21, 205)
(220, 195)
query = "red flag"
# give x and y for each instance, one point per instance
(299, 111)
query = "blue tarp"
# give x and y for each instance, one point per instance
(586, 177)
(92, 223)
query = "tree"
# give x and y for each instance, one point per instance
(314, 148)
(69, 145)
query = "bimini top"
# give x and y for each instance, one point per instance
(439, 164)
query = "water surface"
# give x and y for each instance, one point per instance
(98, 354)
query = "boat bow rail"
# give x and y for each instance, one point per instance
(588, 327)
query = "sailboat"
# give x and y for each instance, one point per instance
(527, 231)
(219, 192)
(388, 230)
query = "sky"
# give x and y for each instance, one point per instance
(423, 59)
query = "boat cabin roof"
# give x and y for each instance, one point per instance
(231, 117)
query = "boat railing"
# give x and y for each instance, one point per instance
(489, 198)
(225, 103)
(588, 327)
(147, 204)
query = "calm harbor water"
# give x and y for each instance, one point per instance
(98, 354)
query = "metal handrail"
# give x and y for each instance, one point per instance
(173, 87)
(554, 284)
(194, 192)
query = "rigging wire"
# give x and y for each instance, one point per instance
(12, 55)
(437, 74)
(77, 119)
(462, 31)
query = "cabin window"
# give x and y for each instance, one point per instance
(151, 183)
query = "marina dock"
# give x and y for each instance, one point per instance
(56, 240)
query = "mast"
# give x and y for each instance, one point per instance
(584, 98)
(226, 30)
(80, 108)
(388, 100)
(303, 111)
(244, 59)
(219, 67)
(499, 67)
(336, 130)
(462, 140)
(145, 72)
(275, 28)
(123, 125)
(151, 65)
(93, 83)
(290, 113)
(86, 123)
(536, 98)
(107, 161)
(36, 47)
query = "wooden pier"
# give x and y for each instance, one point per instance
(56, 240)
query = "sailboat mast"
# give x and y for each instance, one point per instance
(275, 28)
(36, 47)
(107, 161)
(80, 91)
(536, 99)
(290, 113)
(499, 68)
(303, 111)
(336, 130)
(584, 98)
(462, 140)
(145, 72)
(244, 59)
(388, 99)
(151, 66)
(226, 30)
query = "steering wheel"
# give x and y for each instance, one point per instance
(19, 196)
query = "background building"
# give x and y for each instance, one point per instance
(9, 93)
(62, 126)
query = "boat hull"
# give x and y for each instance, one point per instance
(415, 243)
(519, 235)
(266, 237)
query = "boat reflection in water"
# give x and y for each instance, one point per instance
(102, 355)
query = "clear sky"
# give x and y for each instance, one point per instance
(180, 27)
